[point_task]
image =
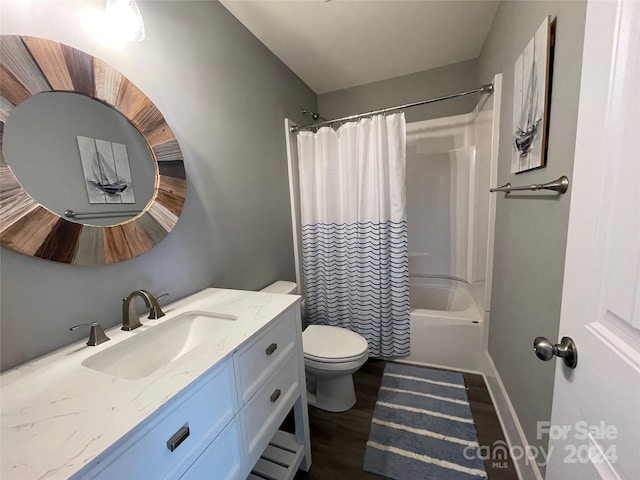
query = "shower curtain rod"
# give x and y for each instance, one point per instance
(488, 88)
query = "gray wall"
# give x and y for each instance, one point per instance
(225, 97)
(436, 82)
(531, 230)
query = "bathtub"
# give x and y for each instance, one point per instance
(446, 324)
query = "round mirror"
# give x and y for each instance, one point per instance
(90, 173)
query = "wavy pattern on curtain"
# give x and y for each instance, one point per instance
(354, 231)
(355, 277)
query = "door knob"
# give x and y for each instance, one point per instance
(566, 349)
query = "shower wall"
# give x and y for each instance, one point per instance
(440, 164)
(451, 163)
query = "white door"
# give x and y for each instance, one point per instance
(595, 420)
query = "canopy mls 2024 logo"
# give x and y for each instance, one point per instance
(580, 440)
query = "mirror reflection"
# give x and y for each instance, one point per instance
(72, 152)
(115, 154)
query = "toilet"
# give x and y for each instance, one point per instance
(331, 356)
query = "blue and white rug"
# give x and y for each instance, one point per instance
(422, 428)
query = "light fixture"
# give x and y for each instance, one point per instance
(124, 20)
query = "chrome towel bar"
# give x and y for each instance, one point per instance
(112, 213)
(560, 185)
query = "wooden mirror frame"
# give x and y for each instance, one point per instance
(31, 65)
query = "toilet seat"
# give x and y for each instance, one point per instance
(330, 345)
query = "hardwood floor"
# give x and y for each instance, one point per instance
(338, 440)
(488, 428)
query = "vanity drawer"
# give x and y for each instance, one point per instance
(266, 410)
(256, 361)
(222, 460)
(188, 426)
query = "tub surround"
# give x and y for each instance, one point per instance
(447, 325)
(59, 416)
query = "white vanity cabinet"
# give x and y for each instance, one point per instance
(201, 411)
(221, 425)
(223, 459)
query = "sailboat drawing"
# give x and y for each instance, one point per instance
(106, 171)
(530, 117)
(105, 177)
(530, 102)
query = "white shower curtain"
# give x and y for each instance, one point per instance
(354, 230)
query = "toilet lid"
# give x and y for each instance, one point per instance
(332, 344)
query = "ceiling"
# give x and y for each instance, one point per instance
(338, 44)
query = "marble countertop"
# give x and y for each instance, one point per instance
(58, 415)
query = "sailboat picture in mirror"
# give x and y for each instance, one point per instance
(106, 171)
(531, 100)
(30, 66)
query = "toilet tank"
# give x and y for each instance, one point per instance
(288, 288)
(281, 286)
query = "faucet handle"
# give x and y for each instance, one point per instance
(96, 334)
(155, 311)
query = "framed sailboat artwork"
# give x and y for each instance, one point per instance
(106, 171)
(531, 99)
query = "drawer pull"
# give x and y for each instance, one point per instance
(271, 348)
(275, 395)
(178, 437)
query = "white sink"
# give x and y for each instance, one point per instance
(147, 351)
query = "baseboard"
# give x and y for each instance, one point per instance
(527, 470)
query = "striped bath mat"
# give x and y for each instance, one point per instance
(422, 427)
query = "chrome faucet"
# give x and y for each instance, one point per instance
(130, 319)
